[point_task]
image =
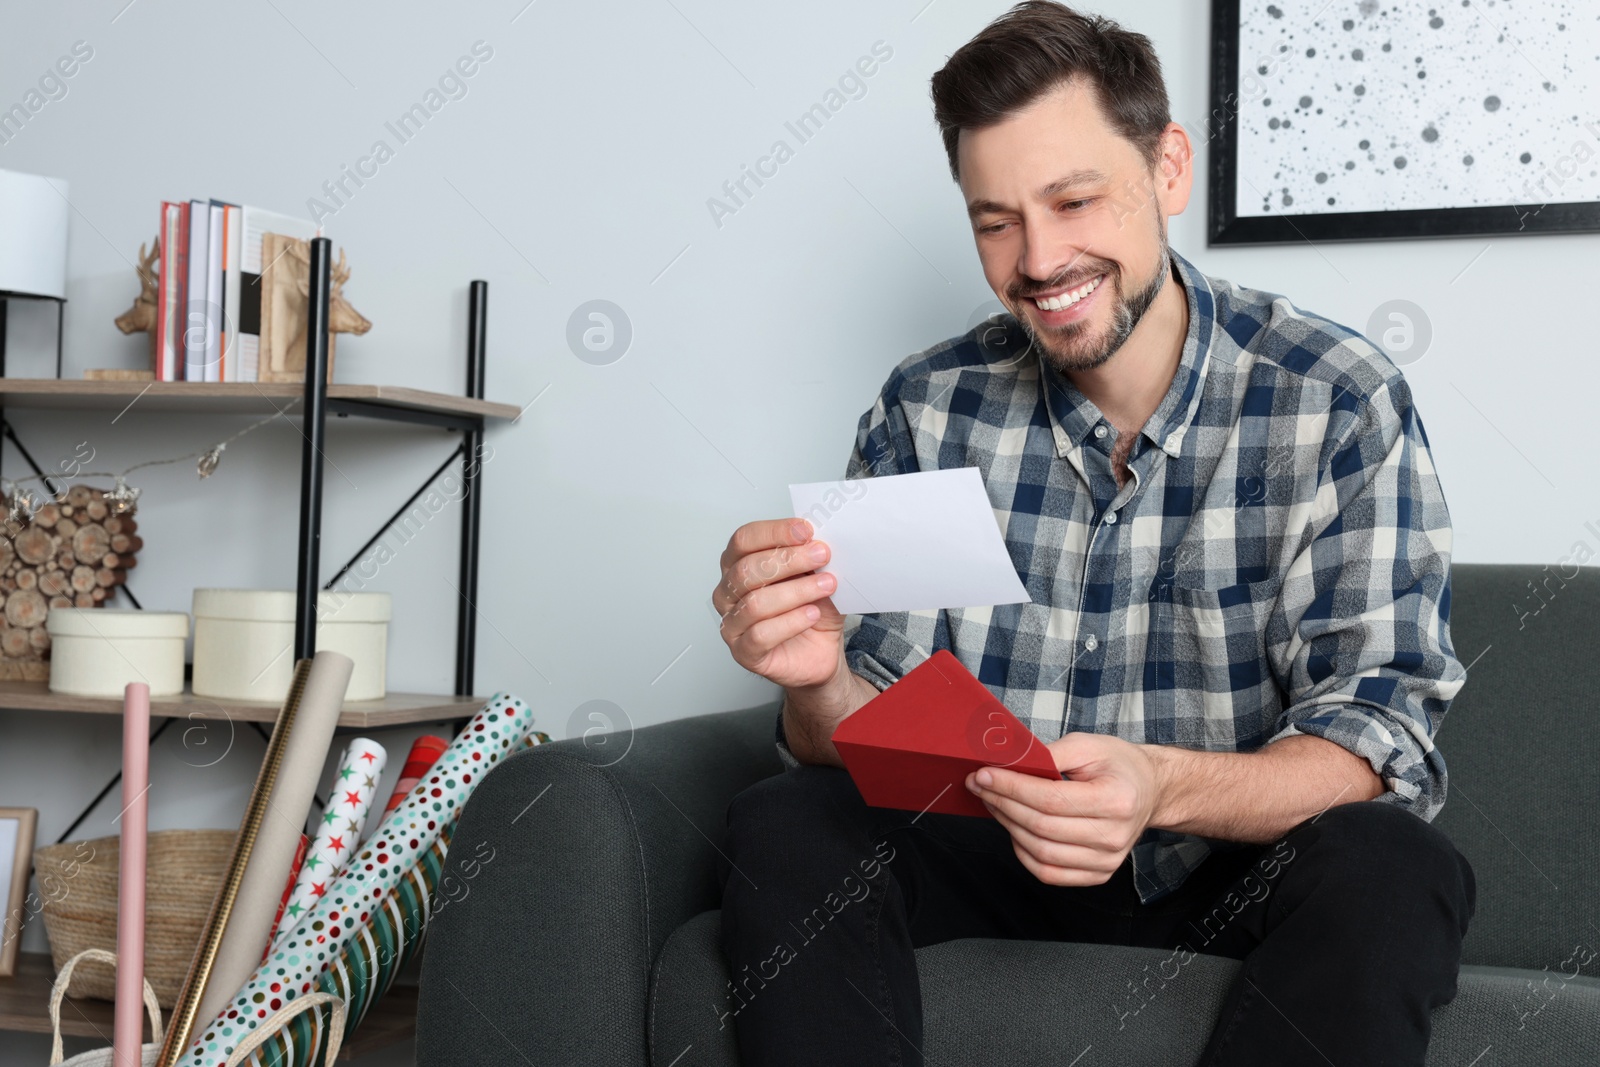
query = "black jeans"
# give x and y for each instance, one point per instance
(1349, 927)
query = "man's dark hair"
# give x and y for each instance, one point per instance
(1033, 48)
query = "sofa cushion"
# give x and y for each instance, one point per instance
(1043, 1002)
(1521, 742)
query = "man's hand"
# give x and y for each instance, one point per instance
(1078, 832)
(777, 618)
(1075, 832)
(779, 621)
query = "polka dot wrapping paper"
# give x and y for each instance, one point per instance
(367, 965)
(404, 837)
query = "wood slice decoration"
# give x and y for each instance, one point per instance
(14, 643)
(35, 544)
(25, 609)
(74, 553)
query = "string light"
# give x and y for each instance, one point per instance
(121, 499)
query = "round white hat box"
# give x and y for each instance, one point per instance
(96, 652)
(244, 641)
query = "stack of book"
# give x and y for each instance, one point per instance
(208, 326)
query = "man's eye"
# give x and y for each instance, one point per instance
(1074, 204)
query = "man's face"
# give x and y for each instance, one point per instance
(1070, 223)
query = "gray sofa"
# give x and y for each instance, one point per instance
(586, 933)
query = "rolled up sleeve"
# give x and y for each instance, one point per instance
(1364, 611)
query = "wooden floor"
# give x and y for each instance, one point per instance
(25, 1007)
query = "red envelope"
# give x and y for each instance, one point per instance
(912, 746)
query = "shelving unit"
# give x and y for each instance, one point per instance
(25, 997)
(466, 414)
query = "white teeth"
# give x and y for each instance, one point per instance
(1067, 299)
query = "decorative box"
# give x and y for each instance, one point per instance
(96, 652)
(244, 641)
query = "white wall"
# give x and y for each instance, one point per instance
(578, 166)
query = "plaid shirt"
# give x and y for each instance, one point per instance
(1276, 563)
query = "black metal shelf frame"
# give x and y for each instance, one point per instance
(314, 415)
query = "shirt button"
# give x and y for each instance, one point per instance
(1111, 518)
(1091, 643)
(1099, 431)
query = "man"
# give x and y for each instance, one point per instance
(1226, 515)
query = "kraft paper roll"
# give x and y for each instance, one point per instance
(183, 1020)
(409, 832)
(305, 752)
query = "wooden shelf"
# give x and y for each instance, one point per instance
(396, 709)
(254, 398)
(25, 1007)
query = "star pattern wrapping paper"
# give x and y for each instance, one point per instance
(339, 830)
(347, 905)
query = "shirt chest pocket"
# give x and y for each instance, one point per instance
(1208, 661)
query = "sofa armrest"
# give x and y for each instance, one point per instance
(572, 865)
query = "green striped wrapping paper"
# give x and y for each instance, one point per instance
(368, 965)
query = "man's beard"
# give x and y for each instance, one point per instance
(1072, 347)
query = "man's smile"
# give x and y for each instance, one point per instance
(1067, 305)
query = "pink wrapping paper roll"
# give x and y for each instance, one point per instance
(128, 1020)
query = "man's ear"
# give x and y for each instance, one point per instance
(1174, 170)
(1177, 153)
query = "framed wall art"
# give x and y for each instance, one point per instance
(1352, 119)
(16, 860)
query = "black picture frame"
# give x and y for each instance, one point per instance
(1225, 227)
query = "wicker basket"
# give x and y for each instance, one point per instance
(78, 879)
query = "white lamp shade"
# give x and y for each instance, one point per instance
(33, 235)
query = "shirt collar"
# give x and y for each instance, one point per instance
(1073, 416)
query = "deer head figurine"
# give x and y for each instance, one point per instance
(342, 318)
(142, 315)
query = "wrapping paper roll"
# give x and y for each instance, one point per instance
(366, 761)
(128, 1021)
(425, 751)
(367, 967)
(349, 801)
(257, 814)
(305, 753)
(350, 902)
(393, 935)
